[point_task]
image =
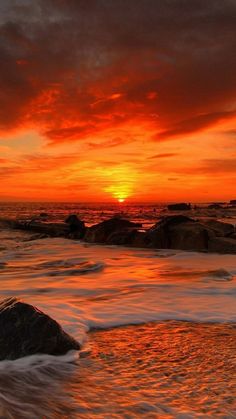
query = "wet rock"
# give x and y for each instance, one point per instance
(100, 233)
(76, 226)
(179, 207)
(178, 232)
(220, 228)
(222, 245)
(25, 330)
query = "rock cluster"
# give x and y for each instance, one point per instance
(170, 232)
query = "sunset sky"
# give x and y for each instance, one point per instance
(118, 99)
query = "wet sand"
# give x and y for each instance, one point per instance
(170, 369)
(166, 370)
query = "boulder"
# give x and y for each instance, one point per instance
(25, 330)
(222, 245)
(76, 226)
(220, 228)
(179, 207)
(100, 233)
(178, 232)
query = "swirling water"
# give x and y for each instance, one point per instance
(85, 286)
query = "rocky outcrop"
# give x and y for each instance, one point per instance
(25, 330)
(76, 226)
(114, 227)
(179, 207)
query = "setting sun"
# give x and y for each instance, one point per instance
(120, 200)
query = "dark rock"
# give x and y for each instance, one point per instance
(222, 245)
(178, 232)
(220, 228)
(179, 207)
(233, 202)
(44, 215)
(99, 233)
(76, 226)
(24, 330)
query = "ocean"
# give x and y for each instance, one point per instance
(87, 288)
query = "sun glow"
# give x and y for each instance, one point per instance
(120, 200)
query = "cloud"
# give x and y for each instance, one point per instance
(110, 143)
(163, 155)
(73, 70)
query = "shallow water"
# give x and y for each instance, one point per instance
(85, 286)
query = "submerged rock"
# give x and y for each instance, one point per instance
(102, 232)
(25, 330)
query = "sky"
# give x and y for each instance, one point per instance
(129, 100)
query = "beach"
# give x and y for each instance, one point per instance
(157, 370)
(156, 328)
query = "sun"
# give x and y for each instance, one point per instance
(120, 200)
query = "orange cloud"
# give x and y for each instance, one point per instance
(113, 84)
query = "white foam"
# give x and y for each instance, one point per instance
(121, 285)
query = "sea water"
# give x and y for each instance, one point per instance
(86, 286)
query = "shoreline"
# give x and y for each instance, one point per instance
(168, 369)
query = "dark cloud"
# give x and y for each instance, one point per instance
(74, 68)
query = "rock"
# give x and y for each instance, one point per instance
(178, 232)
(99, 233)
(220, 228)
(233, 202)
(179, 207)
(76, 226)
(222, 245)
(25, 330)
